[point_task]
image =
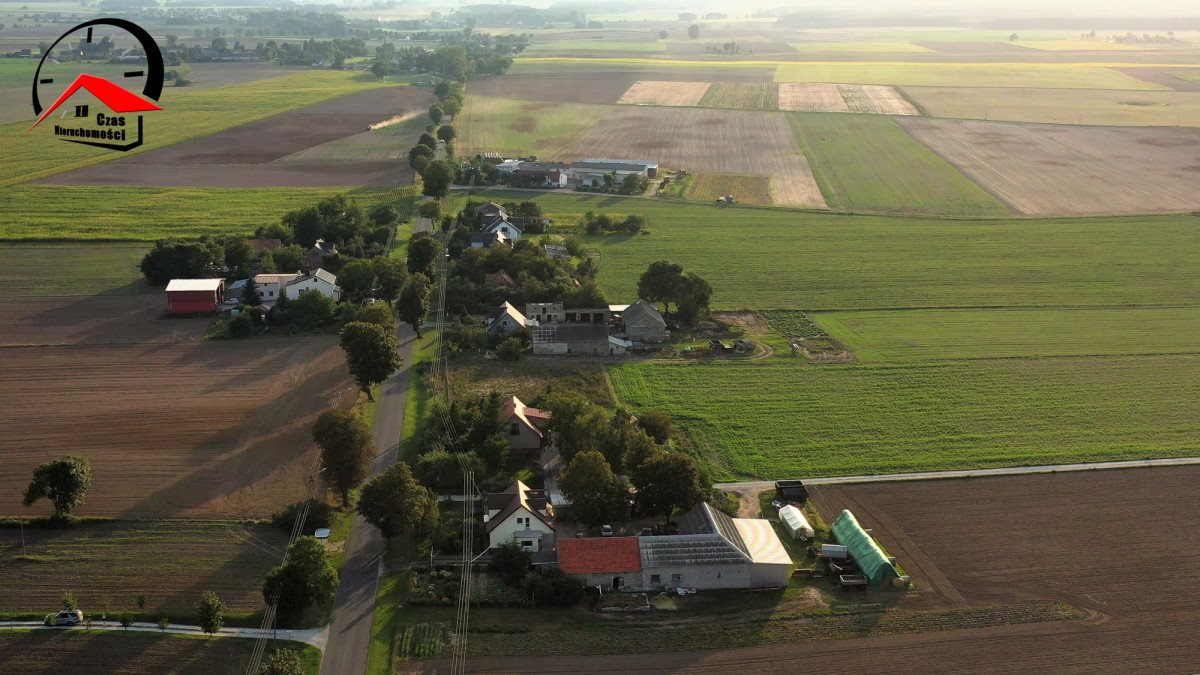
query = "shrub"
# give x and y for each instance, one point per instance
(320, 515)
(509, 349)
(241, 326)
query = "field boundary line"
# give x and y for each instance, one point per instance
(975, 473)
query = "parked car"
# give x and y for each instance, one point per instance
(606, 531)
(67, 617)
(647, 531)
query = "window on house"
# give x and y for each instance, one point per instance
(515, 430)
(656, 578)
(525, 543)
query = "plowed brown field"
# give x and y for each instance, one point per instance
(244, 156)
(1119, 545)
(708, 141)
(177, 429)
(1059, 170)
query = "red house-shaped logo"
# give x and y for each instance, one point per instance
(116, 98)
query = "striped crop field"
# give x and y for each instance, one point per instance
(914, 335)
(870, 163)
(783, 418)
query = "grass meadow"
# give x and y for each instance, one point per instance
(917, 335)
(519, 128)
(783, 418)
(869, 163)
(775, 258)
(187, 113)
(47, 212)
(93, 268)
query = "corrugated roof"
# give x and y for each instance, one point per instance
(599, 555)
(194, 285)
(641, 309)
(320, 273)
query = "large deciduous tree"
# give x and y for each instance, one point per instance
(667, 283)
(371, 353)
(356, 280)
(311, 309)
(211, 612)
(576, 424)
(596, 495)
(390, 274)
(346, 450)
(437, 177)
(423, 251)
(63, 481)
(666, 483)
(413, 305)
(307, 578)
(395, 503)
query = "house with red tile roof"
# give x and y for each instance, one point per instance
(526, 426)
(611, 563)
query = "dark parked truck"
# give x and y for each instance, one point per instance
(791, 491)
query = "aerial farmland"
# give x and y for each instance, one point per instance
(942, 274)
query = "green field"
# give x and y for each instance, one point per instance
(916, 335)
(106, 565)
(741, 96)
(1046, 75)
(784, 418)
(869, 163)
(46, 212)
(774, 258)
(519, 128)
(187, 113)
(82, 269)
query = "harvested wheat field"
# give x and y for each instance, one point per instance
(805, 97)
(875, 99)
(1128, 565)
(655, 92)
(1059, 170)
(708, 141)
(745, 189)
(184, 429)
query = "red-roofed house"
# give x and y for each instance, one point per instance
(610, 562)
(526, 426)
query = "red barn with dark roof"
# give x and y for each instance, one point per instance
(611, 562)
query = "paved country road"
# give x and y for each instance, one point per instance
(311, 636)
(354, 606)
(968, 473)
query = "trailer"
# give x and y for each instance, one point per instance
(791, 491)
(852, 581)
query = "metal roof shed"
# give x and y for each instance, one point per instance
(870, 558)
(795, 522)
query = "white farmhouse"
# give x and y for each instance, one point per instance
(520, 514)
